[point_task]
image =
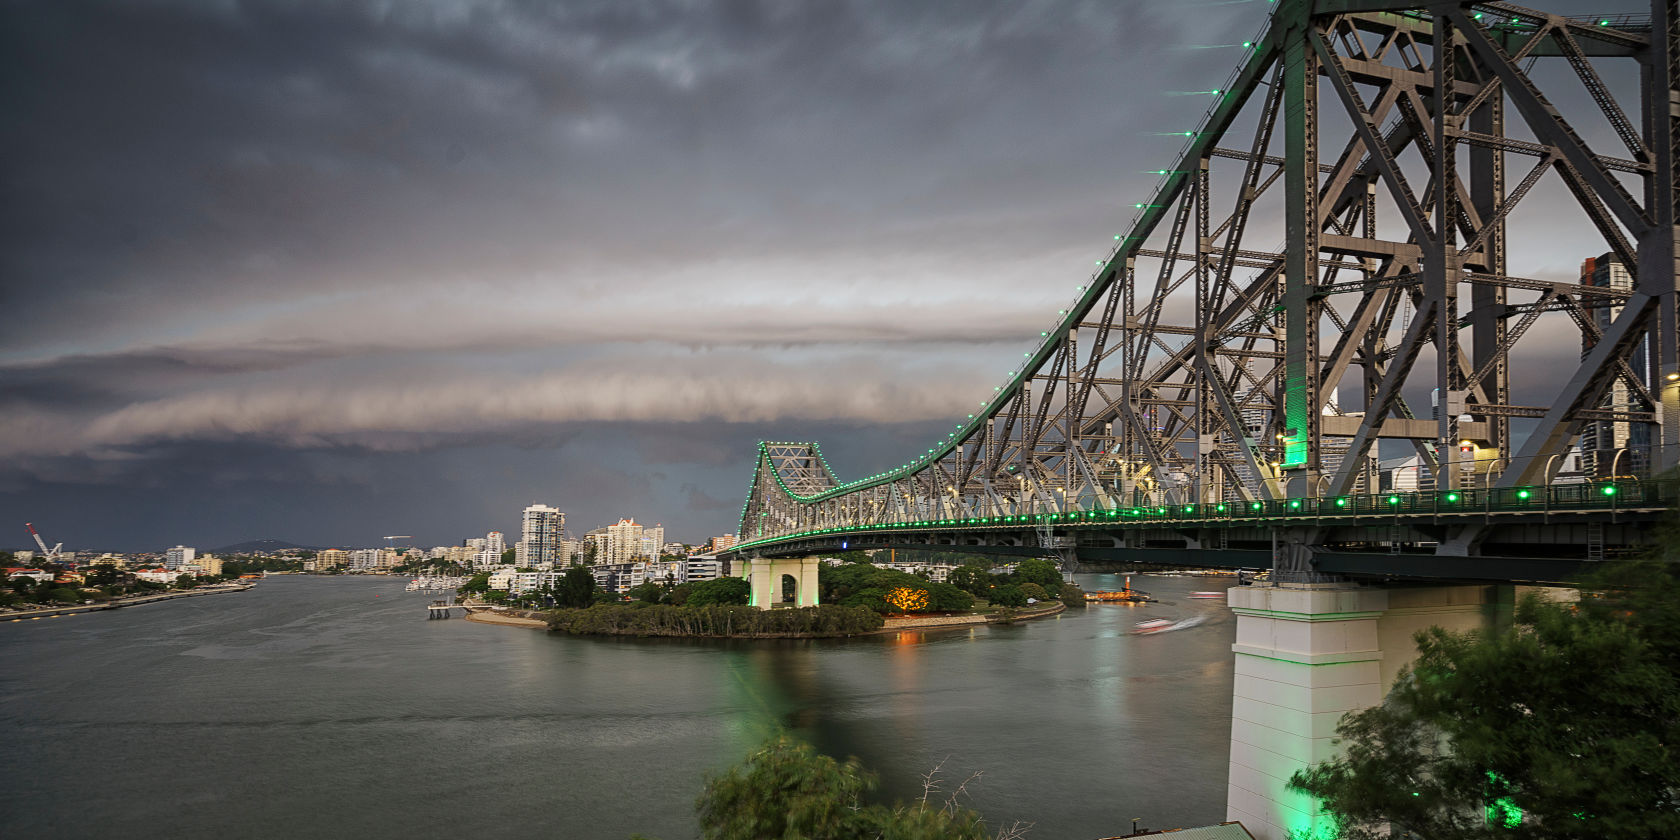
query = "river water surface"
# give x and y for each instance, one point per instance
(330, 707)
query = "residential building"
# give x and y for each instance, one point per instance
(720, 543)
(570, 551)
(619, 578)
(542, 528)
(331, 558)
(208, 564)
(159, 575)
(1616, 447)
(624, 542)
(503, 577)
(493, 541)
(364, 559)
(178, 556)
(697, 569)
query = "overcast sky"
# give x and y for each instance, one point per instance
(327, 271)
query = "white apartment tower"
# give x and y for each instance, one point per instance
(1614, 446)
(624, 541)
(178, 556)
(542, 530)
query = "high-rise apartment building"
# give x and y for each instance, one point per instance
(494, 541)
(624, 542)
(178, 556)
(331, 557)
(541, 531)
(720, 543)
(1615, 446)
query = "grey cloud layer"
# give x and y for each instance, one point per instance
(282, 241)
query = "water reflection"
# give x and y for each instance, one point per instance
(341, 693)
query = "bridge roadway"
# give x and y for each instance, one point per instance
(1524, 534)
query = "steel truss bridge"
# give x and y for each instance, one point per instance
(1339, 224)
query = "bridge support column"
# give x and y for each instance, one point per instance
(764, 575)
(1305, 655)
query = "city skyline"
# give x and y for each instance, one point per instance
(282, 271)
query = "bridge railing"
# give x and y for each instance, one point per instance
(1624, 493)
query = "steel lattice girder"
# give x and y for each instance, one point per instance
(1198, 364)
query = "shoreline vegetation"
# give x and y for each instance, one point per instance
(828, 621)
(855, 597)
(119, 603)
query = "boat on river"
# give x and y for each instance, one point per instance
(1123, 596)
(1166, 625)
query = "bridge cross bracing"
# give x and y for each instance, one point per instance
(1338, 225)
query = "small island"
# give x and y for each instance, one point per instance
(857, 597)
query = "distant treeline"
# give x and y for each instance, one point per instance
(714, 621)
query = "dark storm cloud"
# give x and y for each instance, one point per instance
(361, 251)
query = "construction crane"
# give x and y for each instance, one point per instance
(51, 554)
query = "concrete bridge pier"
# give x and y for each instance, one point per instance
(765, 575)
(1307, 653)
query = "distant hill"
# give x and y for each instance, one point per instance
(259, 547)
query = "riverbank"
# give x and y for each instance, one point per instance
(134, 601)
(528, 619)
(937, 622)
(517, 618)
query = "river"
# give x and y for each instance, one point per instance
(330, 707)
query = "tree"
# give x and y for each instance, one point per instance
(1007, 595)
(787, 790)
(650, 592)
(1041, 572)
(510, 556)
(1561, 726)
(971, 579)
(723, 590)
(1072, 595)
(576, 589)
(477, 583)
(943, 597)
(1034, 591)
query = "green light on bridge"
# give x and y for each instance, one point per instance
(1341, 502)
(1609, 490)
(1294, 503)
(1523, 495)
(1254, 506)
(1394, 500)
(1452, 497)
(1221, 508)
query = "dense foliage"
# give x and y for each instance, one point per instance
(888, 590)
(1565, 725)
(717, 620)
(786, 790)
(1008, 595)
(723, 590)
